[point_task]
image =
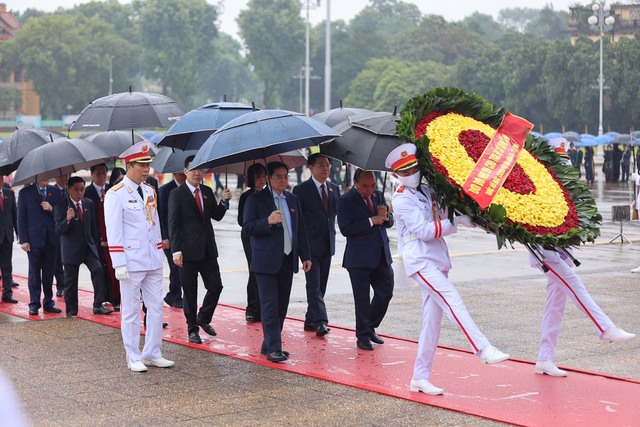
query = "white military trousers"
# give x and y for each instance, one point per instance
(151, 285)
(440, 296)
(563, 282)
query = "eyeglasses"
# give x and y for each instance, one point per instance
(280, 177)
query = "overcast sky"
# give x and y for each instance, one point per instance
(451, 10)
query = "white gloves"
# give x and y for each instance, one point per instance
(122, 273)
(464, 220)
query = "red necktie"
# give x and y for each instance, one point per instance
(79, 209)
(196, 194)
(325, 198)
(368, 200)
(102, 193)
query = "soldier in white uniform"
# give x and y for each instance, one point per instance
(563, 283)
(422, 224)
(135, 246)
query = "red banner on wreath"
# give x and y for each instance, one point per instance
(497, 160)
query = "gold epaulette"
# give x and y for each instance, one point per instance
(117, 186)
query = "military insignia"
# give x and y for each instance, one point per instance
(401, 189)
(117, 186)
(404, 154)
(144, 149)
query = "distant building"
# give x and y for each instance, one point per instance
(627, 22)
(30, 100)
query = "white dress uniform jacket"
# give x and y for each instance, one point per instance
(421, 230)
(133, 227)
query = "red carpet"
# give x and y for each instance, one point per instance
(509, 392)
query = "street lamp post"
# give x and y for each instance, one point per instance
(601, 21)
(110, 75)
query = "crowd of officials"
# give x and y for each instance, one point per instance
(122, 230)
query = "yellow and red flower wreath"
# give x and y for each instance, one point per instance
(541, 202)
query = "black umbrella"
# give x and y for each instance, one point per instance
(292, 159)
(380, 123)
(259, 135)
(21, 142)
(128, 110)
(61, 157)
(366, 140)
(113, 142)
(339, 115)
(170, 160)
(193, 129)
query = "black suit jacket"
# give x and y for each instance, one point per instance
(76, 235)
(365, 244)
(163, 207)
(267, 242)
(189, 232)
(321, 225)
(9, 222)
(35, 225)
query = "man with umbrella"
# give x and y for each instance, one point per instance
(135, 245)
(274, 221)
(8, 224)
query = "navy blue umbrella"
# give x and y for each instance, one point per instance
(259, 135)
(193, 129)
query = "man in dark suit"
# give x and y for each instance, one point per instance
(174, 296)
(192, 206)
(38, 239)
(318, 199)
(96, 192)
(58, 270)
(273, 219)
(363, 218)
(8, 225)
(76, 224)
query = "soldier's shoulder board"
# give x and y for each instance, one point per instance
(117, 186)
(401, 189)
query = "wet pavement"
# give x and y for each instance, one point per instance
(72, 372)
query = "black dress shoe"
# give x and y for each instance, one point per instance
(322, 330)
(376, 338)
(60, 293)
(309, 328)
(195, 338)
(11, 300)
(14, 284)
(33, 312)
(365, 345)
(177, 304)
(251, 318)
(285, 352)
(208, 329)
(164, 325)
(276, 357)
(52, 309)
(102, 310)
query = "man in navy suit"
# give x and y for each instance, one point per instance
(174, 296)
(363, 218)
(38, 239)
(274, 221)
(8, 225)
(76, 224)
(318, 199)
(192, 206)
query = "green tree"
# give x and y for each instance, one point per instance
(549, 24)
(227, 74)
(559, 85)
(176, 35)
(516, 18)
(274, 36)
(67, 58)
(624, 80)
(584, 64)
